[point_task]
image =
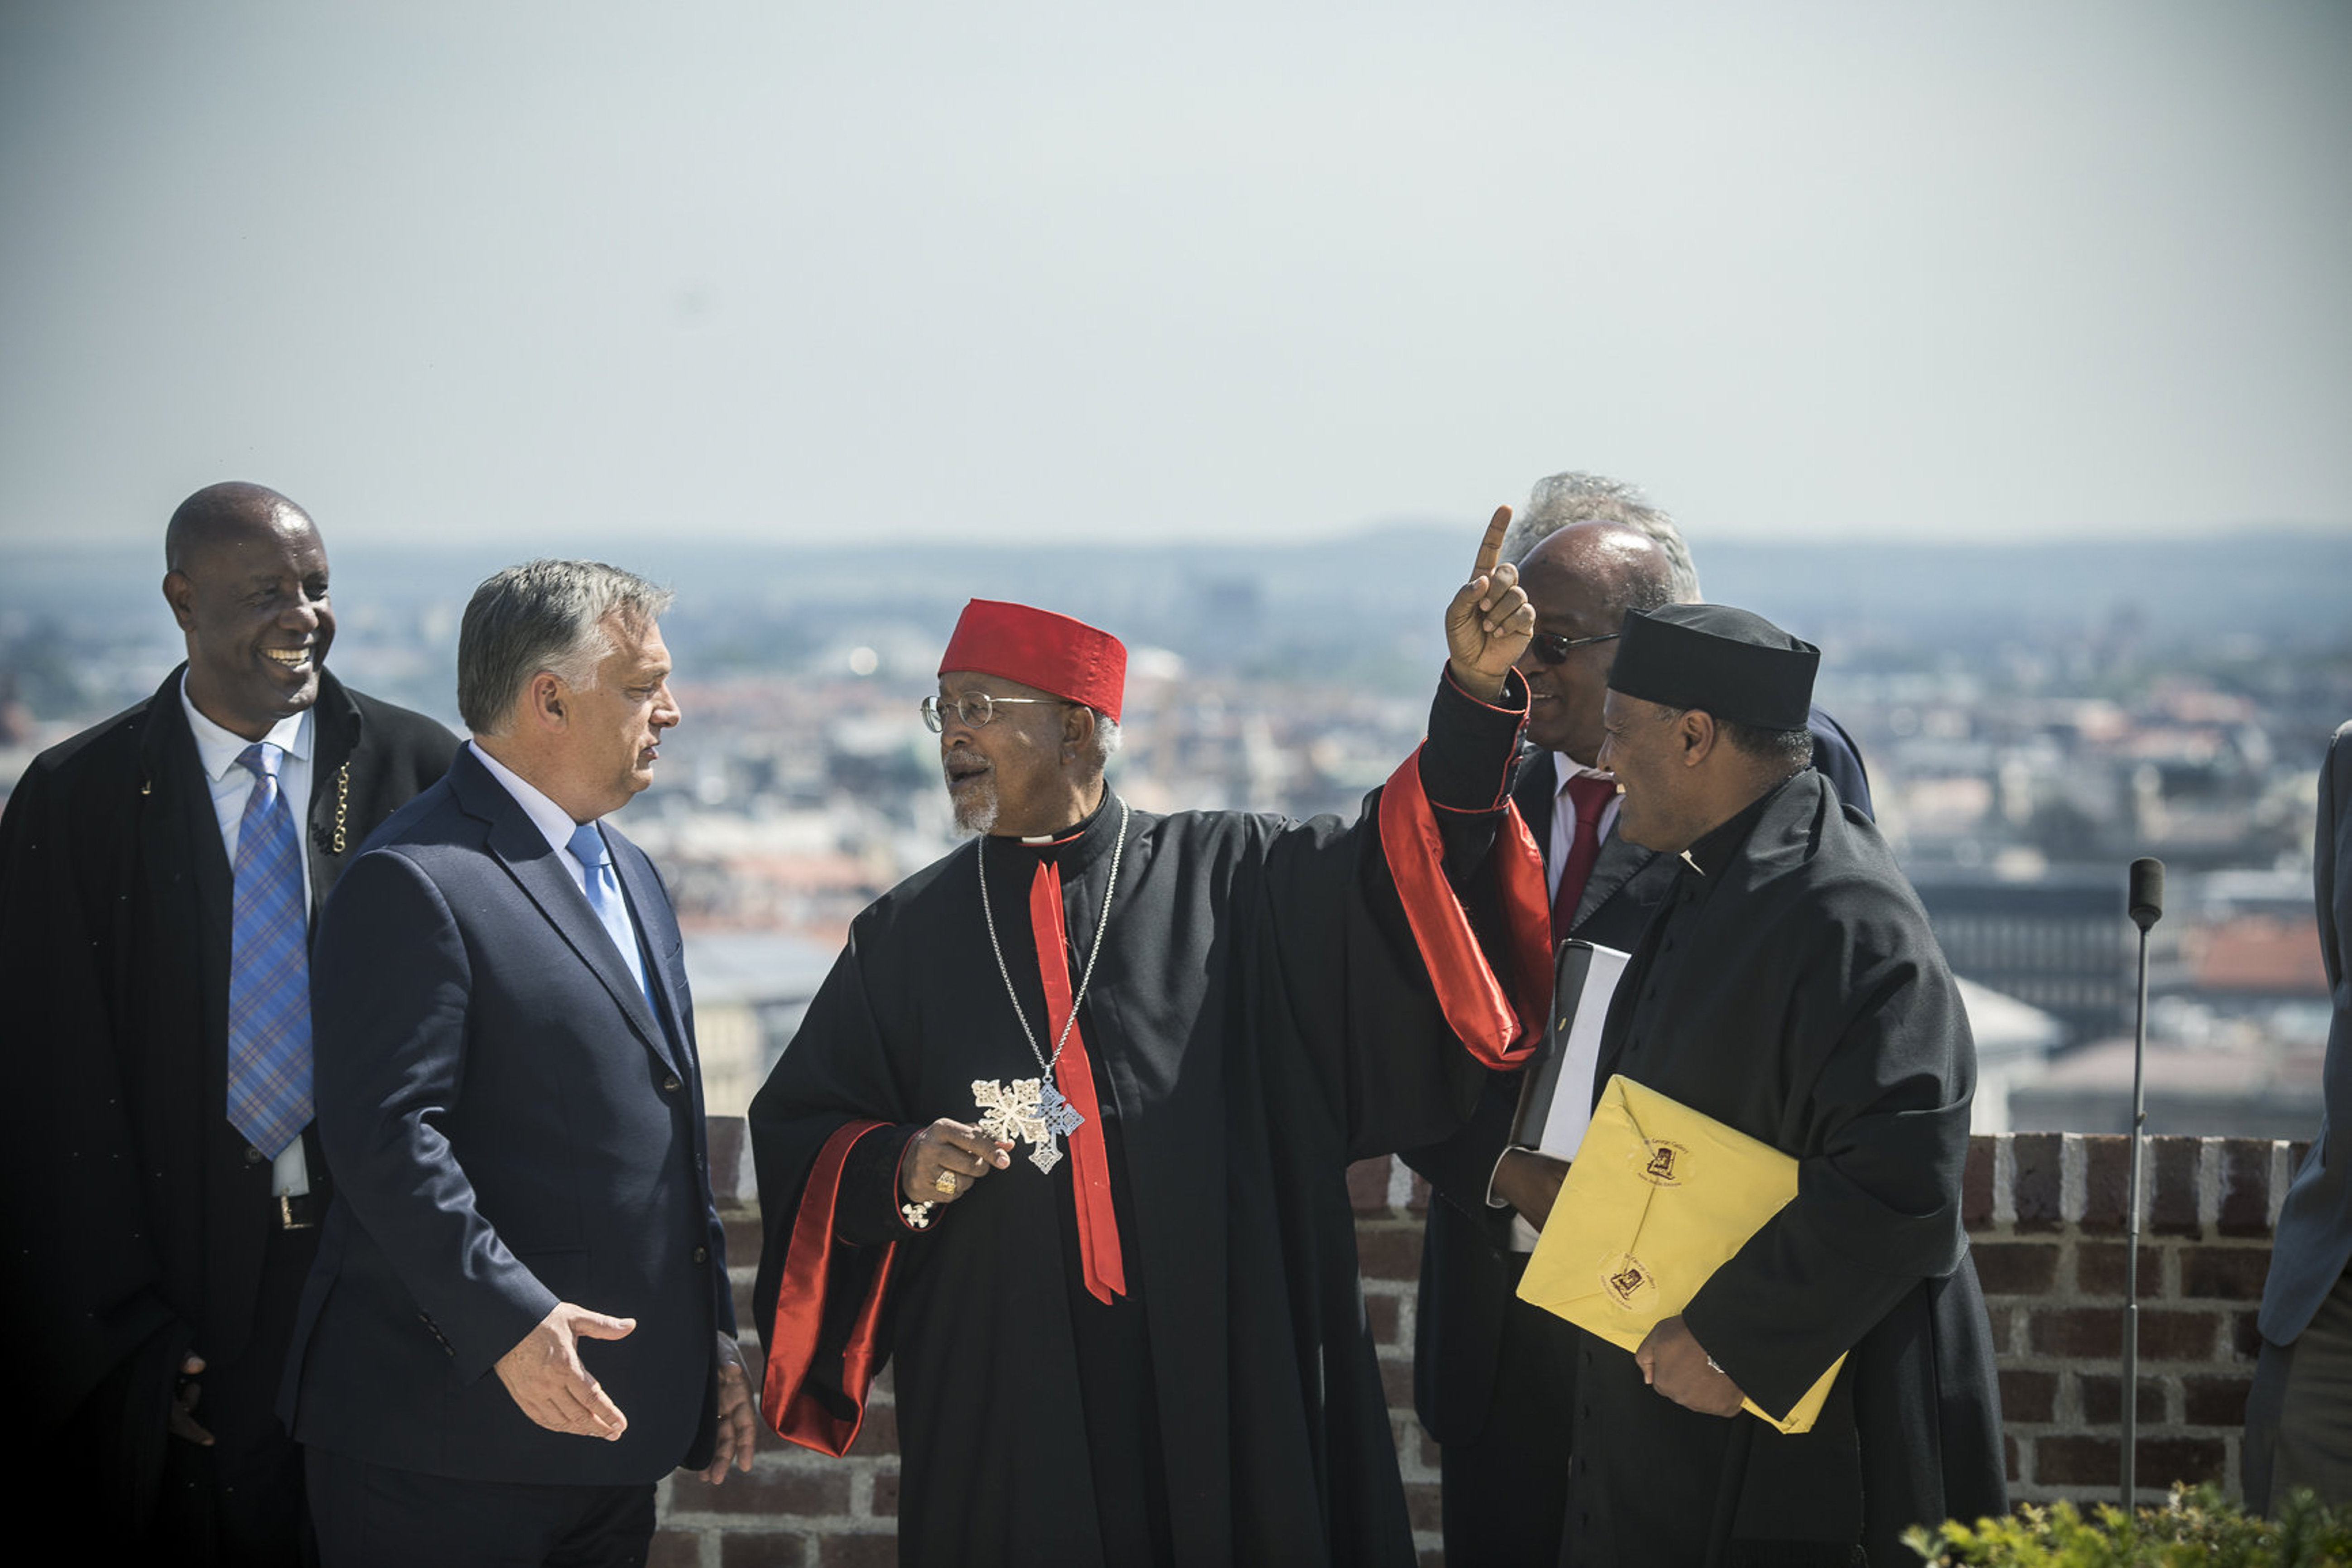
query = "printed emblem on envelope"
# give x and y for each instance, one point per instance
(1628, 1281)
(1661, 1163)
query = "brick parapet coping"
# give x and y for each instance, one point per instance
(2046, 1215)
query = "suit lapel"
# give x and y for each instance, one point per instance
(525, 852)
(1536, 791)
(1618, 863)
(334, 736)
(189, 880)
(2332, 875)
(658, 924)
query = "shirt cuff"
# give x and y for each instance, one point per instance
(1492, 1201)
(1509, 1150)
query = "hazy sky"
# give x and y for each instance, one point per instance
(589, 271)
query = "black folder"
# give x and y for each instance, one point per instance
(1584, 977)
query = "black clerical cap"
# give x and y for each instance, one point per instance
(1729, 662)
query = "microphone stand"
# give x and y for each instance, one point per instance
(2146, 908)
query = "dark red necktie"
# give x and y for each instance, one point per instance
(1592, 797)
(1074, 1075)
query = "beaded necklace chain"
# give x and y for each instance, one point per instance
(980, 856)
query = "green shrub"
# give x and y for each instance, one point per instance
(2197, 1527)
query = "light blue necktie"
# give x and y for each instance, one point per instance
(603, 890)
(269, 968)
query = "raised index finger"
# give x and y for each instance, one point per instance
(1490, 549)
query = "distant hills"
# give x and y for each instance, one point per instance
(1364, 604)
(2251, 580)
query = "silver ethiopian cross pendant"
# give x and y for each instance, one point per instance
(1027, 1111)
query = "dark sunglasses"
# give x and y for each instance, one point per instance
(1553, 648)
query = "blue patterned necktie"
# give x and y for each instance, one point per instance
(269, 968)
(603, 890)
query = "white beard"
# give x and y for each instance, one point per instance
(976, 808)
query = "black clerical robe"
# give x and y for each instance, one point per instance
(1789, 987)
(1261, 1014)
(135, 1223)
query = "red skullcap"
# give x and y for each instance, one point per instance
(1037, 648)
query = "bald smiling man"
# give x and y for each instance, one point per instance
(159, 876)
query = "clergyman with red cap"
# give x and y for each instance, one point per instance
(1064, 1135)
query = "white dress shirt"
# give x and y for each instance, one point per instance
(556, 823)
(1563, 838)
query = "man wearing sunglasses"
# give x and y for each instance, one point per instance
(1493, 1377)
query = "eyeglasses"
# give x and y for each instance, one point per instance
(974, 708)
(1553, 648)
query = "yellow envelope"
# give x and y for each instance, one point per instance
(1658, 1198)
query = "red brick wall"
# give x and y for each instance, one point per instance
(2045, 1213)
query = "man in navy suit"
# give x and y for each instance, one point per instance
(1493, 1377)
(520, 1319)
(2299, 1414)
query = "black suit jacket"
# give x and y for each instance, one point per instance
(1466, 1277)
(511, 1126)
(2314, 1228)
(136, 1215)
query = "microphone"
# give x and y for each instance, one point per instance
(2146, 906)
(2146, 891)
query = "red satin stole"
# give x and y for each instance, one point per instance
(792, 1336)
(1498, 1018)
(1074, 1075)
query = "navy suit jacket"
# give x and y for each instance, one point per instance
(2315, 1228)
(511, 1125)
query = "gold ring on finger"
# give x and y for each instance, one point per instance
(945, 1182)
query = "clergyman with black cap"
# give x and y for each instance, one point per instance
(1789, 988)
(1491, 1373)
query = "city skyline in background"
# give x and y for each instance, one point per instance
(578, 276)
(2001, 350)
(2033, 718)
